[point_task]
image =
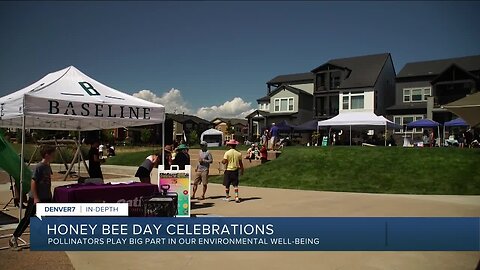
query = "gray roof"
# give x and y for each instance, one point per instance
(364, 70)
(435, 67)
(291, 88)
(265, 98)
(181, 118)
(259, 112)
(233, 121)
(289, 78)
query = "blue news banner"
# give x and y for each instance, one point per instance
(255, 234)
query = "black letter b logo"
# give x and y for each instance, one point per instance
(89, 89)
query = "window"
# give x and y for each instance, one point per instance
(416, 94)
(345, 102)
(397, 120)
(405, 119)
(263, 106)
(353, 100)
(334, 80)
(283, 104)
(426, 93)
(406, 95)
(357, 102)
(321, 79)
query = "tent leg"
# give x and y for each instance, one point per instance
(350, 135)
(385, 134)
(438, 134)
(59, 150)
(163, 149)
(33, 155)
(22, 153)
(443, 140)
(71, 164)
(79, 156)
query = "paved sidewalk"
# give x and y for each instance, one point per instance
(282, 202)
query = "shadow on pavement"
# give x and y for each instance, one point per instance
(199, 205)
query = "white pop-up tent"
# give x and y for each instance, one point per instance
(363, 119)
(70, 100)
(213, 137)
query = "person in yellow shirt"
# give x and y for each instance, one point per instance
(234, 166)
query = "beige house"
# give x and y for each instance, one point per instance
(238, 128)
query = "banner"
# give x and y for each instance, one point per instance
(255, 234)
(179, 182)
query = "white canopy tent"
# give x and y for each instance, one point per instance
(70, 100)
(211, 137)
(349, 119)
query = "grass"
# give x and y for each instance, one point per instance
(351, 169)
(129, 158)
(372, 170)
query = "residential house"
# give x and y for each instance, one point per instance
(289, 98)
(423, 87)
(239, 128)
(362, 83)
(178, 124)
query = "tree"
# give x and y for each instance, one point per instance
(193, 137)
(230, 128)
(146, 135)
(107, 136)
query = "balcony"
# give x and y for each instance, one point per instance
(439, 101)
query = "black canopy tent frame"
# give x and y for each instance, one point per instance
(63, 143)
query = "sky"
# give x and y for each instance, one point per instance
(214, 58)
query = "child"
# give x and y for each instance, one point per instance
(263, 154)
(40, 191)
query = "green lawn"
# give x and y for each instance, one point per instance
(353, 169)
(375, 170)
(130, 158)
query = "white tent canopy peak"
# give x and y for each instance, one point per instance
(70, 100)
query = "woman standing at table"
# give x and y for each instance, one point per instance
(144, 171)
(94, 169)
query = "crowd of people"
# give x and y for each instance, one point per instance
(175, 156)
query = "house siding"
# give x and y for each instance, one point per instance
(368, 100)
(284, 93)
(307, 87)
(385, 88)
(401, 85)
(305, 111)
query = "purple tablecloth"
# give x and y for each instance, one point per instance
(106, 193)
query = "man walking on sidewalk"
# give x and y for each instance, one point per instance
(234, 167)
(202, 169)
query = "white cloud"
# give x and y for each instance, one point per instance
(172, 100)
(235, 108)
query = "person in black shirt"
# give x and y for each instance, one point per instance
(40, 191)
(182, 157)
(94, 169)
